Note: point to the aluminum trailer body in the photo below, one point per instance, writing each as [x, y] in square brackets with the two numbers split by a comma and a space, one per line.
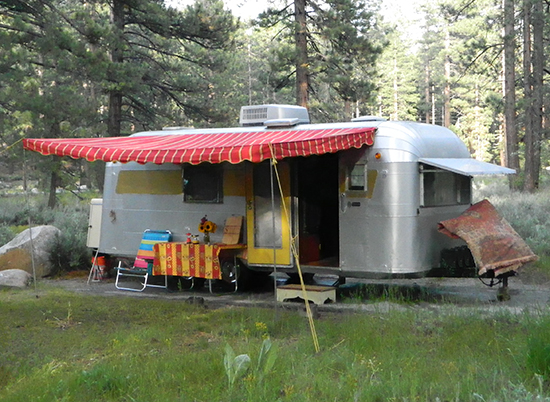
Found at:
[367, 212]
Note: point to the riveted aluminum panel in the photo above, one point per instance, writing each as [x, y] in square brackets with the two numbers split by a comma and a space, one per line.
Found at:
[390, 234]
[383, 230]
[125, 216]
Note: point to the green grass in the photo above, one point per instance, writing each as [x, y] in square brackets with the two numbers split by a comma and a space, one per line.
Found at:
[62, 346]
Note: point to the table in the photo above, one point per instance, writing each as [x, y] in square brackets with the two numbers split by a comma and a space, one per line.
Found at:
[196, 260]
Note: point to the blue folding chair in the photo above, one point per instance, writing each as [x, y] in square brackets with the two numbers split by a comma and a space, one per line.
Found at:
[143, 265]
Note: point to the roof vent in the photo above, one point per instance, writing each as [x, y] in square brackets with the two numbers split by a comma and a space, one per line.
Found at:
[259, 115]
[275, 123]
[177, 128]
[368, 118]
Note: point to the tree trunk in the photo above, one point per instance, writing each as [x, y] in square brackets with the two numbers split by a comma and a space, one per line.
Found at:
[511, 154]
[86, 174]
[395, 114]
[433, 104]
[348, 114]
[302, 65]
[529, 135]
[117, 57]
[447, 91]
[538, 89]
[98, 169]
[427, 98]
[115, 114]
[54, 180]
[55, 131]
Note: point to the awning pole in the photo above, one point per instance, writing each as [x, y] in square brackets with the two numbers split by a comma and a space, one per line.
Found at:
[297, 260]
[29, 216]
[272, 182]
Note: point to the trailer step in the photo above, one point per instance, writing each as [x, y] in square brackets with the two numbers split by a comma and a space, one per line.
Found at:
[314, 293]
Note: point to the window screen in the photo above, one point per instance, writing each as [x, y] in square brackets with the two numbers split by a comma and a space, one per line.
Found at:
[203, 183]
[357, 178]
[440, 187]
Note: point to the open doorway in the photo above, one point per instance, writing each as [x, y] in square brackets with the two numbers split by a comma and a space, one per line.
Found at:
[317, 185]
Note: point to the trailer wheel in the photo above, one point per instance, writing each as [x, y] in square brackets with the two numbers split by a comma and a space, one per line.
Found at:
[198, 283]
[178, 283]
[236, 272]
[230, 272]
[185, 283]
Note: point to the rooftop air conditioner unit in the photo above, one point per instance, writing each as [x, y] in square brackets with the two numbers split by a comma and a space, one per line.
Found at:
[262, 114]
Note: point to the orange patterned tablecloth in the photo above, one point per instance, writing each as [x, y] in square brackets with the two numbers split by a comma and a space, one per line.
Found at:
[183, 259]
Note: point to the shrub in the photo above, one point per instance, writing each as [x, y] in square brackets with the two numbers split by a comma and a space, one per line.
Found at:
[529, 214]
[6, 234]
[68, 250]
[18, 210]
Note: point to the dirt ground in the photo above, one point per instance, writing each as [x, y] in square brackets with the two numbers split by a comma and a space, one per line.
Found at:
[527, 292]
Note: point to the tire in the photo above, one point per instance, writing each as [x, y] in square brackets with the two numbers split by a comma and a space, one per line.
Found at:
[176, 283]
[230, 272]
[246, 278]
[198, 283]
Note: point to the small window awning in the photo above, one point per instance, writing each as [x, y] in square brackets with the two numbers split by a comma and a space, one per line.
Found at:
[233, 147]
[467, 166]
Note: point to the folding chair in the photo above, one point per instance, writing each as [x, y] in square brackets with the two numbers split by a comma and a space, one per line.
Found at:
[143, 265]
[230, 266]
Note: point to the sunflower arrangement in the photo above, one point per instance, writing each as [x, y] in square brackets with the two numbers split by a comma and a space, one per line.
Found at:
[207, 227]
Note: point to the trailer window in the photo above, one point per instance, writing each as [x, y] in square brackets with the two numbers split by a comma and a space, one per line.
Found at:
[357, 177]
[440, 188]
[203, 184]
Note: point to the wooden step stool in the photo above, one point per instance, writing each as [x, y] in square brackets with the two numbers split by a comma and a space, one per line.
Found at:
[315, 294]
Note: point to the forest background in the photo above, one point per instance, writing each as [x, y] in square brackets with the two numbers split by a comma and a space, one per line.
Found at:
[76, 68]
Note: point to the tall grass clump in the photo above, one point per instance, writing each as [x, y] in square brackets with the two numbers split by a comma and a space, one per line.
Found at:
[528, 213]
[538, 349]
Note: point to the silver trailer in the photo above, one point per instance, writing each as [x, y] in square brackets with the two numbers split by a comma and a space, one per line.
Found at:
[371, 211]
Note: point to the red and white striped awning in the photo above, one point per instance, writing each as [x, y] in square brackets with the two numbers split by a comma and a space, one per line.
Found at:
[233, 147]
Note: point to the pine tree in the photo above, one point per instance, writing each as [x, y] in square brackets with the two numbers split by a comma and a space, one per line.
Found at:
[466, 71]
[334, 52]
[398, 95]
[68, 71]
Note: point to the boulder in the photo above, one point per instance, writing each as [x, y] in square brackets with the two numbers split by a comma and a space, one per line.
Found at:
[15, 278]
[17, 253]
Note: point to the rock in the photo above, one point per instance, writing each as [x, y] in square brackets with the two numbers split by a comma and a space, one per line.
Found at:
[17, 253]
[195, 300]
[15, 278]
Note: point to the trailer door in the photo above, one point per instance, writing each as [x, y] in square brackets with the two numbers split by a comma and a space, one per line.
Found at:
[268, 227]
[356, 189]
